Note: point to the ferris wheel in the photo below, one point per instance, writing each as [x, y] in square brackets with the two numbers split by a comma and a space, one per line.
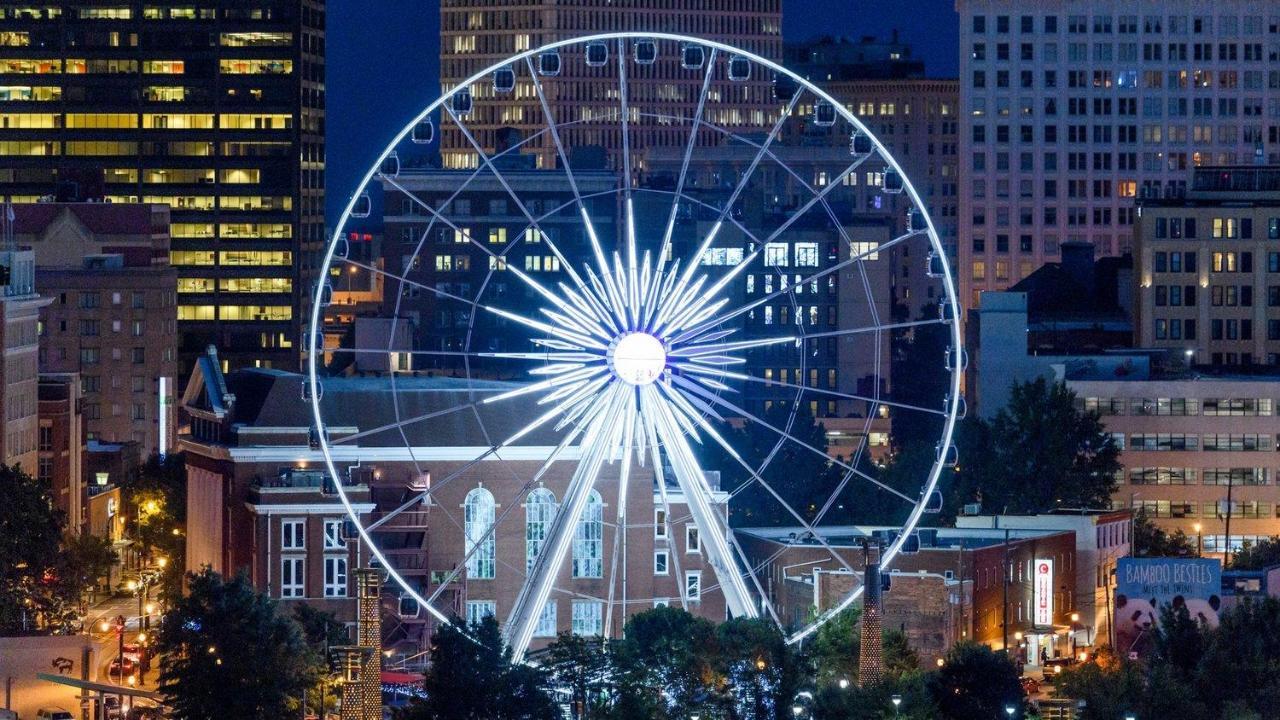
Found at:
[648, 326]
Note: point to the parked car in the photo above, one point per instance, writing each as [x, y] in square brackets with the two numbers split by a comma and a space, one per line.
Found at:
[111, 709]
[133, 651]
[122, 667]
[54, 713]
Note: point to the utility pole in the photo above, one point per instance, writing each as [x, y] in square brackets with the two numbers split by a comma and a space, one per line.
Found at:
[1226, 550]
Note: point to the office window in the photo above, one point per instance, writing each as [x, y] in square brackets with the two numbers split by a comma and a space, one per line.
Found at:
[588, 617]
[692, 541]
[546, 627]
[333, 539]
[292, 577]
[588, 540]
[539, 510]
[292, 534]
[693, 585]
[661, 561]
[478, 610]
[478, 511]
[335, 577]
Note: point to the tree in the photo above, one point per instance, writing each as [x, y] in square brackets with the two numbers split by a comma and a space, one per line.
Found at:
[1256, 556]
[899, 657]
[230, 652]
[158, 493]
[1241, 659]
[1038, 454]
[1149, 540]
[581, 665]
[1179, 642]
[43, 573]
[975, 683]
[1108, 685]
[471, 677]
[760, 672]
[321, 631]
[675, 653]
[834, 650]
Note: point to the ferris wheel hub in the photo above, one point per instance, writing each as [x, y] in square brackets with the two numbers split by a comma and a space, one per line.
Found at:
[637, 358]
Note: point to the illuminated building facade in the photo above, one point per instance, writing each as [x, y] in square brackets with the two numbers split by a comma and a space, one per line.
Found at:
[1074, 109]
[216, 111]
[474, 35]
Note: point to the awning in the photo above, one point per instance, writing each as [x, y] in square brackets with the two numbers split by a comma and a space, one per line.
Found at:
[401, 678]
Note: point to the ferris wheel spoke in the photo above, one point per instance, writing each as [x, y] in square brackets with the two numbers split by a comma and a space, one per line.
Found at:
[742, 412]
[412, 283]
[693, 483]
[846, 396]
[669, 306]
[558, 540]
[437, 215]
[817, 198]
[561, 409]
[857, 257]
[695, 124]
[520, 495]
[524, 209]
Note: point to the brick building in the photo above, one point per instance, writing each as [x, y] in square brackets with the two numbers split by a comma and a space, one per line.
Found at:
[112, 314]
[60, 444]
[260, 500]
[955, 589]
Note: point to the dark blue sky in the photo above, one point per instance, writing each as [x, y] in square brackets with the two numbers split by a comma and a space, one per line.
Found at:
[383, 59]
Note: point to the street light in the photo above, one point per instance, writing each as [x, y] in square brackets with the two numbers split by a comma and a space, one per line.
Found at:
[1009, 710]
[1130, 716]
[896, 700]
[1199, 540]
[844, 683]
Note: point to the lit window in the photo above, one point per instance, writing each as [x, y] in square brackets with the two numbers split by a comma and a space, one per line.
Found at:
[478, 519]
[539, 510]
[588, 540]
[588, 617]
[335, 577]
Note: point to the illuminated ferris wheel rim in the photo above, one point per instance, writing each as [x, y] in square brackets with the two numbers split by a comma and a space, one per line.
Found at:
[643, 364]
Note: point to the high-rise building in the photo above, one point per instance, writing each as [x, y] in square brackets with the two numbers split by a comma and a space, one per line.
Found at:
[1071, 110]
[474, 35]
[105, 269]
[1209, 268]
[216, 111]
[20, 306]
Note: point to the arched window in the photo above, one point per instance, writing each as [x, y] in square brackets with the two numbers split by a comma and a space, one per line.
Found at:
[478, 517]
[539, 509]
[588, 540]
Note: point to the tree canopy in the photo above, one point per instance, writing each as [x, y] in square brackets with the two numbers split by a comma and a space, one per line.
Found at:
[471, 677]
[230, 652]
[1257, 556]
[1039, 453]
[975, 683]
[1150, 540]
[43, 571]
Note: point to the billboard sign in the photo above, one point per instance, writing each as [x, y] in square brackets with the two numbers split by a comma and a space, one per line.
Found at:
[1043, 598]
[1145, 585]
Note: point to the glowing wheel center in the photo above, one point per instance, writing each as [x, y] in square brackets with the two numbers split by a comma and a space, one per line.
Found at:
[638, 358]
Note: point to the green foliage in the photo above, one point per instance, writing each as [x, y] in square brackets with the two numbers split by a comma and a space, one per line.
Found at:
[975, 683]
[1149, 540]
[834, 650]
[1257, 556]
[158, 492]
[43, 574]
[876, 702]
[759, 673]
[1039, 453]
[230, 652]
[472, 678]
[677, 652]
[1108, 686]
[582, 666]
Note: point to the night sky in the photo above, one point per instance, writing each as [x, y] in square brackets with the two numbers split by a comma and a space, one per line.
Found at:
[383, 59]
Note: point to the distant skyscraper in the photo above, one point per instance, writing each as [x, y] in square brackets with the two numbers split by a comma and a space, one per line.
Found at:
[20, 306]
[1073, 109]
[476, 34]
[217, 111]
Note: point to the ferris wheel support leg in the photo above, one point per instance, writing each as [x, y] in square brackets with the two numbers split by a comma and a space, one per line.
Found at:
[542, 577]
[711, 529]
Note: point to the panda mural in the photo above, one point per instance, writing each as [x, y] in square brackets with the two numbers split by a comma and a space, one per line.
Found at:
[1145, 586]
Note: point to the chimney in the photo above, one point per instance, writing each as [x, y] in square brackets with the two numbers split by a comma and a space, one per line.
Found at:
[1077, 264]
